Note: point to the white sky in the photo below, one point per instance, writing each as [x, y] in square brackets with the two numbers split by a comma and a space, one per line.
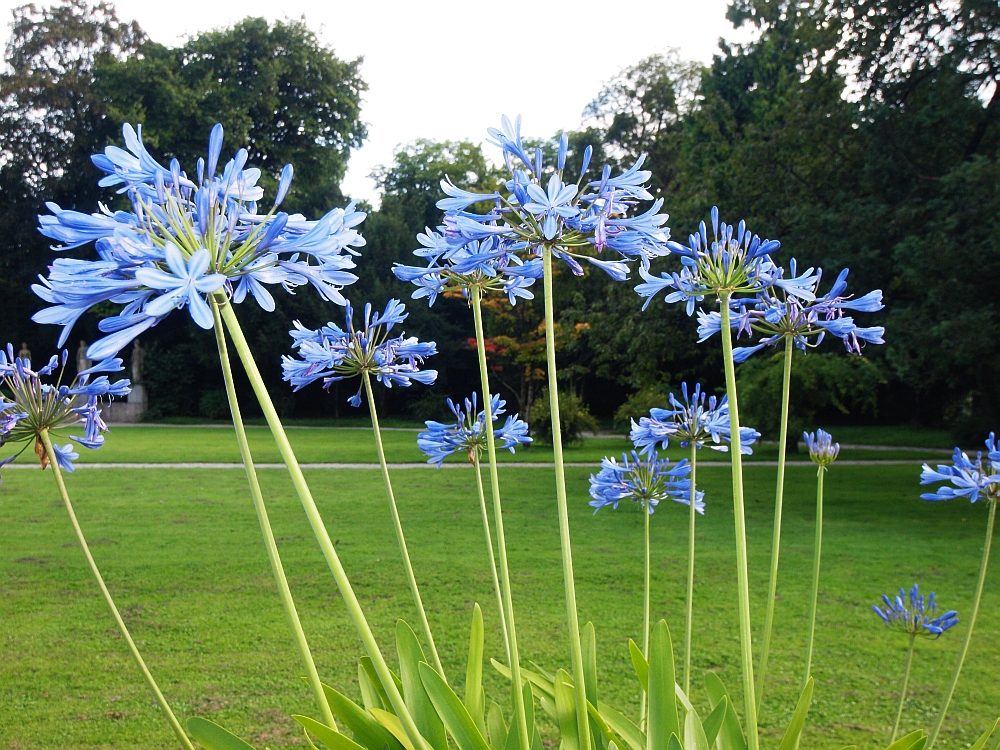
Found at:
[446, 69]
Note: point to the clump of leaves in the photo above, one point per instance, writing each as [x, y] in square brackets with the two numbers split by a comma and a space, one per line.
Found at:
[574, 418]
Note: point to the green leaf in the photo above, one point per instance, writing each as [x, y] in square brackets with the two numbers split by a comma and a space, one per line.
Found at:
[366, 730]
[981, 742]
[450, 708]
[588, 641]
[475, 698]
[694, 733]
[640, 665]
[674, 743]
[544, 673]
[549, 707]
[498, 727]
[623, 727]
[428, 722]
[603, 727]
[328, 736]
[372, 679]
[213, 737]
[566, 711]
[910, 740]
[730, 737]
[794, 731]
[539, 681]
[713, 724]
[392, 723]
[662, 717]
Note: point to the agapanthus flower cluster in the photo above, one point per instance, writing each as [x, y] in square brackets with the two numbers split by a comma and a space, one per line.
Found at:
[700, 420]
[736, 261]
[644, 479]
[332, 354]
[538, 208]
[971, 479]
[822, 449]
[468, 431]
[917, 619]
[28, 406]
[186, 238]
[791, 308]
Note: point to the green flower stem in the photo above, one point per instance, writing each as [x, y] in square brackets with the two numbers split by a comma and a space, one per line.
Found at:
[576, 650]
[906, 682]
[689, 619]
[772, 587]
[645, 611]
[171, 719]
[493, 559]
[817, 553]
[743, 583]
[517, 693]
[319, 529]
[398, 526]
[265, 526]
[972, 621]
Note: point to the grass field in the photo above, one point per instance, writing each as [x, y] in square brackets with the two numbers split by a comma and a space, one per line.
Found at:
[181, 552]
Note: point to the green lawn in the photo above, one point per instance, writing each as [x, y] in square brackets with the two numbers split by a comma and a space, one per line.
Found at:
[145, 444]
[181, 551]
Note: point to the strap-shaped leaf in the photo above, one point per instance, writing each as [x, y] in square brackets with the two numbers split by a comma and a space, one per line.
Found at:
[366, 730]
[713, 724]
[566, 711]
[333, 739]
[497, 726]
[623, 727]
[794, 731]
[544, 673]
[606, 731]
[475, 698]
[640, 665]
[694, 733]
[372, 679]
[662, 718]
[549, 707]
[513, 736]
[537, 680]
[213, 737]
[450, 708]
[908, 741]
[392, 723]
[730, 737]
[674, 743]
[981, 742]
[428, 722]
[588, 642]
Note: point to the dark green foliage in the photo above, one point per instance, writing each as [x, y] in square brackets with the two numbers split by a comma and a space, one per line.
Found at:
[575, 418]
[638, 405]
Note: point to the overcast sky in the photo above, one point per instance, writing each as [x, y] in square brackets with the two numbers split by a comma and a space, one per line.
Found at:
[446, 69]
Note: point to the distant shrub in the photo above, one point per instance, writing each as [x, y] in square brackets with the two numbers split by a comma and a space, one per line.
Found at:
[575, 418]
[214, 404]
[638, 405]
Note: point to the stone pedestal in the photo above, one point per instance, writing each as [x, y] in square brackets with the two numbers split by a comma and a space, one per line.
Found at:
[128, 411]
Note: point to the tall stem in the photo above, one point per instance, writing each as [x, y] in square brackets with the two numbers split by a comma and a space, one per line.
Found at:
[743, 583]
[493, 559]
[398, 526]
[576, 650]
[689, 619]
[273, 557]
[772, 587]
[906, 682]
[972, 621]
[164, 706]
[817, 553]
[319, 529]
[645, 609]
[517, 693]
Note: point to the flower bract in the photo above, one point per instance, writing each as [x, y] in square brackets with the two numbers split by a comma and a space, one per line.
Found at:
[822, 449]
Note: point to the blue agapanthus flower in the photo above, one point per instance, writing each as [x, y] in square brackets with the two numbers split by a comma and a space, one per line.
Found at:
[184, 239]
[736, 261]
[971, 479]
[28, 406]
[644, 479]
[917, 619]
[539, 207]
[790, 308]
[468, 431]
[822, 449]
[332, 354]
[699, 419]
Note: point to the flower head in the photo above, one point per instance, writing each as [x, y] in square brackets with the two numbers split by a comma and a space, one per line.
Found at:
[822, 449]
[970, 479]
[643, 479]
[917, 619]
[29, 406]
[468, 432]
[736, 261]
[186, 238]
[696, 420]
[332, 354]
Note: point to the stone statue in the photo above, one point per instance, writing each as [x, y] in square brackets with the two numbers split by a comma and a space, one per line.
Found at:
[25, 352]
[82, 362]
[138, 354]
